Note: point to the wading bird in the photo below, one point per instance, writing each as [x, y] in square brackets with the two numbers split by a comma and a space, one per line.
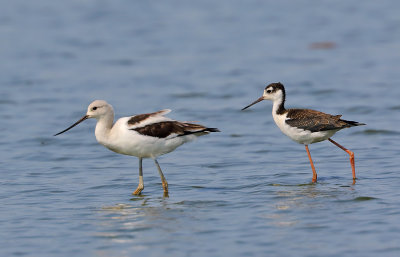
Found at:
[144, 136]
[305, 126]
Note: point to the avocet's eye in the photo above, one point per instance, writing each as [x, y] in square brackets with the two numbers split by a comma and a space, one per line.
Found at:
[94, 108]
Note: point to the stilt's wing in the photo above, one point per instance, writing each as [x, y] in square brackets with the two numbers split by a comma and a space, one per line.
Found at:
[314, 121]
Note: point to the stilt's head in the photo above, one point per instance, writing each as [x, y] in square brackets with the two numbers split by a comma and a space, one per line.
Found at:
[273, 92]
[97, 109]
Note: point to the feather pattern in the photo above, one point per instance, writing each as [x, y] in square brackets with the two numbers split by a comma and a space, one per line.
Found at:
[147, 118]
[315, 121]
[171, 128]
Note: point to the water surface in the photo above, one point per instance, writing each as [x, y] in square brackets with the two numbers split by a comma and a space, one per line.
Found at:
[243, 192]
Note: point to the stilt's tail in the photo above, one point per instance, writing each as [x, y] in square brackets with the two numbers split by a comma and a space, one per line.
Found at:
[353, 123]
[211, 130]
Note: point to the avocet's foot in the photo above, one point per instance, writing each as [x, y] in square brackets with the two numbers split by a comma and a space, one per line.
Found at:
[138, 190]
[165, 186]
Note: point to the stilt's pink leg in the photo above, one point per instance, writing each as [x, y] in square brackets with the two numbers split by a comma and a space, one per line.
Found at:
[314, 178]
[353, 168]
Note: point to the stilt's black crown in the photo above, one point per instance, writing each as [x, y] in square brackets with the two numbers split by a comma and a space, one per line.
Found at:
[276, 86]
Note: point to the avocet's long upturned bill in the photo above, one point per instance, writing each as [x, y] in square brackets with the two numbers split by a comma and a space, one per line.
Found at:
[303, 125]
[144, 136]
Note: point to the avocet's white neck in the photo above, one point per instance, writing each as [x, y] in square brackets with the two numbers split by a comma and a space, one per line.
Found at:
[103, 128]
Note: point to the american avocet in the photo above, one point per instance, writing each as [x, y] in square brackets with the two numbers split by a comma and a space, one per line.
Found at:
[144, 136]
[303, 125]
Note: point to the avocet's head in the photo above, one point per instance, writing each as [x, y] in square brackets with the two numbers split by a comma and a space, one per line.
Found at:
[273, 92]
[96, 109]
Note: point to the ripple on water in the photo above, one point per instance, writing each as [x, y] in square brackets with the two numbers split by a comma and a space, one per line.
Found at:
[364, 198]
[203, 203]
[324, 92]
[7, 102]
[123, 62]
[360, 109]
[190, 95]
[372, 132]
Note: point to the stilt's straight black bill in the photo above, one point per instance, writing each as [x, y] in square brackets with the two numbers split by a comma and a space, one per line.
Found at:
[76, 123]
[253, 103]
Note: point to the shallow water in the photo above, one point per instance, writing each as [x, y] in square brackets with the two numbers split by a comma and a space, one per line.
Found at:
[243, 192]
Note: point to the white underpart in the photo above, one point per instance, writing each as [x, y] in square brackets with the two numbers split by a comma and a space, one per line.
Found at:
[301, 136]
[121, 137]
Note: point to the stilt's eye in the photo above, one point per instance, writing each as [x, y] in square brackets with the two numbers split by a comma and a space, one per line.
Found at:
[94, 108]
[269, 91]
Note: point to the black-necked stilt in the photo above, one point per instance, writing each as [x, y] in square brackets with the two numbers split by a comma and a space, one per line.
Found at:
[303, 125]
[144, 136]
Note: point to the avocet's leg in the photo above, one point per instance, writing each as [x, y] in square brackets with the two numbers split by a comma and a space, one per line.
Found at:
[140, 187]
[163, 180]
[314, 177]
[353, 168]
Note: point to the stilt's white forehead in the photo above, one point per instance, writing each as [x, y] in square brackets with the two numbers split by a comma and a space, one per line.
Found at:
[273, 88]
[269, 87]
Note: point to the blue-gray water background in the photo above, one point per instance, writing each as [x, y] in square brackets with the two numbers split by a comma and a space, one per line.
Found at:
[242, 192]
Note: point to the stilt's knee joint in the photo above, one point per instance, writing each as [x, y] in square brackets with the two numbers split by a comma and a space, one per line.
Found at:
[350, 153]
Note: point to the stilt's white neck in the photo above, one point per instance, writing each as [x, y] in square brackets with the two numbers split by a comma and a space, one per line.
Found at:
[278, 107]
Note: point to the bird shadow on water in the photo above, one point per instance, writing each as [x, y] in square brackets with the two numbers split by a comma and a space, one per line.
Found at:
[329, 189]
[125, 222]
[296, 205]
